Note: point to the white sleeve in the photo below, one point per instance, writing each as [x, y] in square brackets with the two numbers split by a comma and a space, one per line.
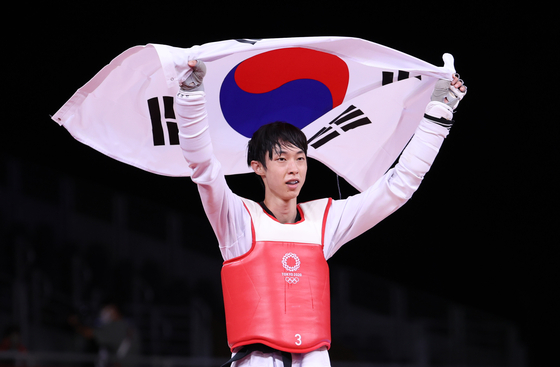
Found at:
[225, 210]
[353, 216]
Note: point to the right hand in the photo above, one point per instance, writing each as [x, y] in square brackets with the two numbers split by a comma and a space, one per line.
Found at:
[193, 82]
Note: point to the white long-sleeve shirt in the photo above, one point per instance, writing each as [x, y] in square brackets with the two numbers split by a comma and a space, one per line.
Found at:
[346, 218]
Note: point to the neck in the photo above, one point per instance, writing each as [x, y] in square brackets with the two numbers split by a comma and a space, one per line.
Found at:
[284, 211]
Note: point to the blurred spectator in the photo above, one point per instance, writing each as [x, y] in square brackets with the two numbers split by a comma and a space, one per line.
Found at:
[11, 340]
[116, 337]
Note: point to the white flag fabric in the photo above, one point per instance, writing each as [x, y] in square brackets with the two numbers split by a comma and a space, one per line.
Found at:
[358, 102]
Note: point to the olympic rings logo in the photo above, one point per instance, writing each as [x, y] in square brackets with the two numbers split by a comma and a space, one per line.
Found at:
[291, 280]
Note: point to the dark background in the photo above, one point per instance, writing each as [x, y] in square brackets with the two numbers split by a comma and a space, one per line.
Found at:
[479, 231]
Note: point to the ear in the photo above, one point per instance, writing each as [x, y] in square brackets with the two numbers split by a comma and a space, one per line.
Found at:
[258, 168]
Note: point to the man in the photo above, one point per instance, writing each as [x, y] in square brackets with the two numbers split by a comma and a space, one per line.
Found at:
[275, 275]
[115, 336]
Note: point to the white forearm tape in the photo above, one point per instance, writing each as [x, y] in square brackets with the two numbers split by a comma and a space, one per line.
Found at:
[194, 136]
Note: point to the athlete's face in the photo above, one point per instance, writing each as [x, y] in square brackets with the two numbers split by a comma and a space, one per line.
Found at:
[284, 174]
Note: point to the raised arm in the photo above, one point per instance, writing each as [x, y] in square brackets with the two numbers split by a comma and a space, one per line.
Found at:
[351, 217]
[225, 211]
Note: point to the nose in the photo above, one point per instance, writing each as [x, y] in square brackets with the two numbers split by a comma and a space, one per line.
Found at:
[293, 167]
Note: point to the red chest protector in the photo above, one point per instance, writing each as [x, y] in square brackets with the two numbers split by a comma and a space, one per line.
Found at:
[278, 293]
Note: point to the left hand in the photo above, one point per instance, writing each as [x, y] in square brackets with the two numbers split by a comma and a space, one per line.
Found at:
[450, 92]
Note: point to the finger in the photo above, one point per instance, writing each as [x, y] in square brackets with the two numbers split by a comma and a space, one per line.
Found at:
[192, 63]
[461, 85]
[457, 83]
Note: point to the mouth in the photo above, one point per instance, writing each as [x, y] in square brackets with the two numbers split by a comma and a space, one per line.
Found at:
[292, 183]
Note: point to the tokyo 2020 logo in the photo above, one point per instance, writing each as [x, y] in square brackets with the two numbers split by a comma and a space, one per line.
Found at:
[291, 263]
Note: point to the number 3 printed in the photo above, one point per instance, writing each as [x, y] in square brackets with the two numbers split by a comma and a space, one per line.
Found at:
[298, 341]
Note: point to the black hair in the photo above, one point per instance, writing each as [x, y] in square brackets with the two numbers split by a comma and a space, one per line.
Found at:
[270, 138]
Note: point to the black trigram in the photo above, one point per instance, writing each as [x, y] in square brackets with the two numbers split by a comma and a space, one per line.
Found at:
[157, 125]
[388, 76]
[350, 119]
[250, 41]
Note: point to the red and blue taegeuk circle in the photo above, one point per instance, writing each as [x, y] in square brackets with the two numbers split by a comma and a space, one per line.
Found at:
[296, 85]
